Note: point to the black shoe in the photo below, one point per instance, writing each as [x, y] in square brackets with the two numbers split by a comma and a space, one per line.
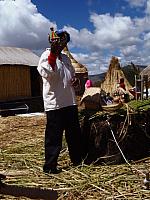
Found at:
[52, 171]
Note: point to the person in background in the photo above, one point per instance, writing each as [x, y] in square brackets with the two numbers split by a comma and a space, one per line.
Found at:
[60, 105]
[120, 94]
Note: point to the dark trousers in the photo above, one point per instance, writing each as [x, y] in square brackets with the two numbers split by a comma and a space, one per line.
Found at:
[58, 121]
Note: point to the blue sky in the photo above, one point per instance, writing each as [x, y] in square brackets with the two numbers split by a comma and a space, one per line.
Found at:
[99, 29]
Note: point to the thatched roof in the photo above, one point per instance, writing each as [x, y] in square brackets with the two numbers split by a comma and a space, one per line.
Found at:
[79, 68]
[146, 71]
[113, 76]
[18, 56]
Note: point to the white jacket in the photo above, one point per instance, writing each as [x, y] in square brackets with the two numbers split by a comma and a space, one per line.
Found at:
[57, 89]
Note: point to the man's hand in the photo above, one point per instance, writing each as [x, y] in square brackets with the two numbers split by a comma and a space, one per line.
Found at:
[57, 46]
[55, 49]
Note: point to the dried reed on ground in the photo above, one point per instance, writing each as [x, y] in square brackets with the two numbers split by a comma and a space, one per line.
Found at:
[22, 157]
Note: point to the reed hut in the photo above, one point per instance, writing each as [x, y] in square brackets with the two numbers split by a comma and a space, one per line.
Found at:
[80, 71]
[18, 74]
[113, 76]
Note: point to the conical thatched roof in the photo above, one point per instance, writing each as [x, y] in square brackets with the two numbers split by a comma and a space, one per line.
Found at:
[113, 76]
[79, 68]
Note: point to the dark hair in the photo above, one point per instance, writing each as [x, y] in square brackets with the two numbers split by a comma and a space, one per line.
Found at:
[63, 34]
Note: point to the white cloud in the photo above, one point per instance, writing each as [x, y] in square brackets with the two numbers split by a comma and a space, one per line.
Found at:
[136, 3]
[110, 31]
[21, 25]
[148, 7]
[129, 50]
[120, 36]
[147, 42]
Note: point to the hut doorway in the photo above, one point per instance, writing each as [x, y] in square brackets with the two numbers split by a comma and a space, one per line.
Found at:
[35, 82]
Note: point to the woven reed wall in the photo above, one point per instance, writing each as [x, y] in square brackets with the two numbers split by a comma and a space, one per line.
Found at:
[14, 82]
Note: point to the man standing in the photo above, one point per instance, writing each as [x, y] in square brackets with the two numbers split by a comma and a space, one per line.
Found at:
[58, 77]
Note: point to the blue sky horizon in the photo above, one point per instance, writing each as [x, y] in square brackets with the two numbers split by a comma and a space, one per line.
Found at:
[99, 29]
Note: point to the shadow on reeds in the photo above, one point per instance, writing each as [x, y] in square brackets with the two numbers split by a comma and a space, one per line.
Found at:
[32, 193]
